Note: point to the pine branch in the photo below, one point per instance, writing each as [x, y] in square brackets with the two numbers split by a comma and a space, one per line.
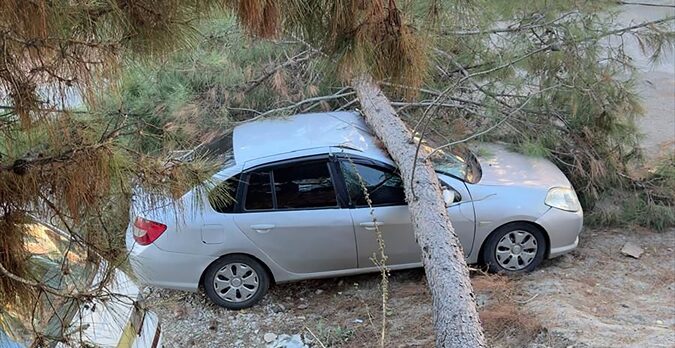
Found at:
[510, 29]
[631, 28]
[298, 58]
[644, 4]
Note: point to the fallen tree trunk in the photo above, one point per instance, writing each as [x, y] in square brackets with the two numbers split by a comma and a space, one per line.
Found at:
[456, 321]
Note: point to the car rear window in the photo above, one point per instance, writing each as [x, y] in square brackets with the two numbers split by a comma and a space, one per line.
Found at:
[223, 197]
[259, 191]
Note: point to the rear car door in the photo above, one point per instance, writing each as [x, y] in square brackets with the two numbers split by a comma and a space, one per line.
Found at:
[292, 213]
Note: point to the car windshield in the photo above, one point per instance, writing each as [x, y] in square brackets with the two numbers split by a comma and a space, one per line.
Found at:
[59, 262]
[458, 161]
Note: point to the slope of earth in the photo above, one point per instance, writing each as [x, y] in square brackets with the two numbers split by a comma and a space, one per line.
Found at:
[594, 297]
[655, 81]
[601, 298]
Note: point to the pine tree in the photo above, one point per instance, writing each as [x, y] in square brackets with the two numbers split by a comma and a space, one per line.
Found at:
[62, 160]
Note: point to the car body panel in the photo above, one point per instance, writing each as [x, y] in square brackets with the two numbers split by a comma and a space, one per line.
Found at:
[325, 237]
[104, 321]
[490, 203]
[462, 214]
[395, 230]
[154, 266]
[513, 188]
[563, 228]
[343, 129]
[502, 167]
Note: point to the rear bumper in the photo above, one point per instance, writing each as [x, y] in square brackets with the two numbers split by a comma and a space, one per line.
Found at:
[563, 229]
[156, 267]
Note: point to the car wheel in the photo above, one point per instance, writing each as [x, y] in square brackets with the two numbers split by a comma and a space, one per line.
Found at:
[514, 248]
[236, 281]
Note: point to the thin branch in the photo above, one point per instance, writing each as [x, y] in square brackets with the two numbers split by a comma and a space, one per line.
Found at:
[298, 58]
[37, 285]
[510, 29]
[504, 119]
[632, 27]
[339, 94]
[644, 4]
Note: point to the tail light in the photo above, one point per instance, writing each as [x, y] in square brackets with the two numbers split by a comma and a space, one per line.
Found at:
[147, 231]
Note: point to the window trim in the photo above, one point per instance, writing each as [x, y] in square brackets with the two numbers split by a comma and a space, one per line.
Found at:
[327, 160]
[367, 162]
[242, 205]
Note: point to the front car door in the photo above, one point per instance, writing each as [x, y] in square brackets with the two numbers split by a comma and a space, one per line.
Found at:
[391, 214]
[292, 213]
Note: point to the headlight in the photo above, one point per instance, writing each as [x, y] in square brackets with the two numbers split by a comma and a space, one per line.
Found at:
[563, 198]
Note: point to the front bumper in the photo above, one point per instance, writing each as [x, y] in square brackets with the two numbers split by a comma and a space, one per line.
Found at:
[563, 229]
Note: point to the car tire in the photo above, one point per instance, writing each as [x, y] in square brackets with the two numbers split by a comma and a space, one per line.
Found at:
[236, 281]
[514, 248]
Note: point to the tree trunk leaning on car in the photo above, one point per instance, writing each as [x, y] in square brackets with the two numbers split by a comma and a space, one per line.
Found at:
[369, 39]
[456, 321]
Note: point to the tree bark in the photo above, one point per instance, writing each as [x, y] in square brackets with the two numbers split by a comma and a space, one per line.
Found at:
[456, 321]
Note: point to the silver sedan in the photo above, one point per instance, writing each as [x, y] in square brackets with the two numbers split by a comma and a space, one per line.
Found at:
[299, 211]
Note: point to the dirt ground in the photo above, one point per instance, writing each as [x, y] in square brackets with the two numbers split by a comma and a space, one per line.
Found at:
[593, 297]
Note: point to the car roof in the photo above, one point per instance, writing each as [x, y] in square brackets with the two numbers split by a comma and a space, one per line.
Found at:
[301, 132]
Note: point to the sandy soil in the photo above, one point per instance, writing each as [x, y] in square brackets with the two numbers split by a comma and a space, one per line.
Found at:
[594, 297]
[598, 297]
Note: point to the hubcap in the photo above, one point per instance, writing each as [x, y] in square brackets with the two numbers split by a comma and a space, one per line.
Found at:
[236, 282]
[516, 250]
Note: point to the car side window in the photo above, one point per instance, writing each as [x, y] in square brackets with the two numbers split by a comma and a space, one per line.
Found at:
[384, 186]
[223, 197]
[304, 185]
[259, 191]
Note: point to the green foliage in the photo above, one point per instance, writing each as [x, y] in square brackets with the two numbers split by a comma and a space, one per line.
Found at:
[564, 96]
[194, 94]
[625, 209]
[67, 163]
[555, 78]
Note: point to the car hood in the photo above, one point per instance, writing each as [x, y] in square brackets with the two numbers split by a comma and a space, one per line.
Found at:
[506, 168]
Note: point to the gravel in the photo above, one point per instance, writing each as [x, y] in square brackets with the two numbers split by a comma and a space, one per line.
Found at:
[594, 297]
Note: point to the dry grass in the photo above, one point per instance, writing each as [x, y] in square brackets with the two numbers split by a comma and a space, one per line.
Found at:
[503, 318]
[409, 319]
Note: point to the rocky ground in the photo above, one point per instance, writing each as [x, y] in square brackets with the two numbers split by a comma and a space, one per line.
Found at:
[594, 297]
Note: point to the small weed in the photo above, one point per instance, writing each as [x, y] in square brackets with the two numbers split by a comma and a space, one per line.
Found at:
[332, 336]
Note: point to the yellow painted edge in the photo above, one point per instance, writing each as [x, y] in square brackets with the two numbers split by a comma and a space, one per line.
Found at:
[128, 336]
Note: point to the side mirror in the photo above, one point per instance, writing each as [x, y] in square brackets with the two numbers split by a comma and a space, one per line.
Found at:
[450, 196]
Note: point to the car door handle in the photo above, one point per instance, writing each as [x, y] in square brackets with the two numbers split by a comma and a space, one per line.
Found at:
[371, 225]
[262, 228]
